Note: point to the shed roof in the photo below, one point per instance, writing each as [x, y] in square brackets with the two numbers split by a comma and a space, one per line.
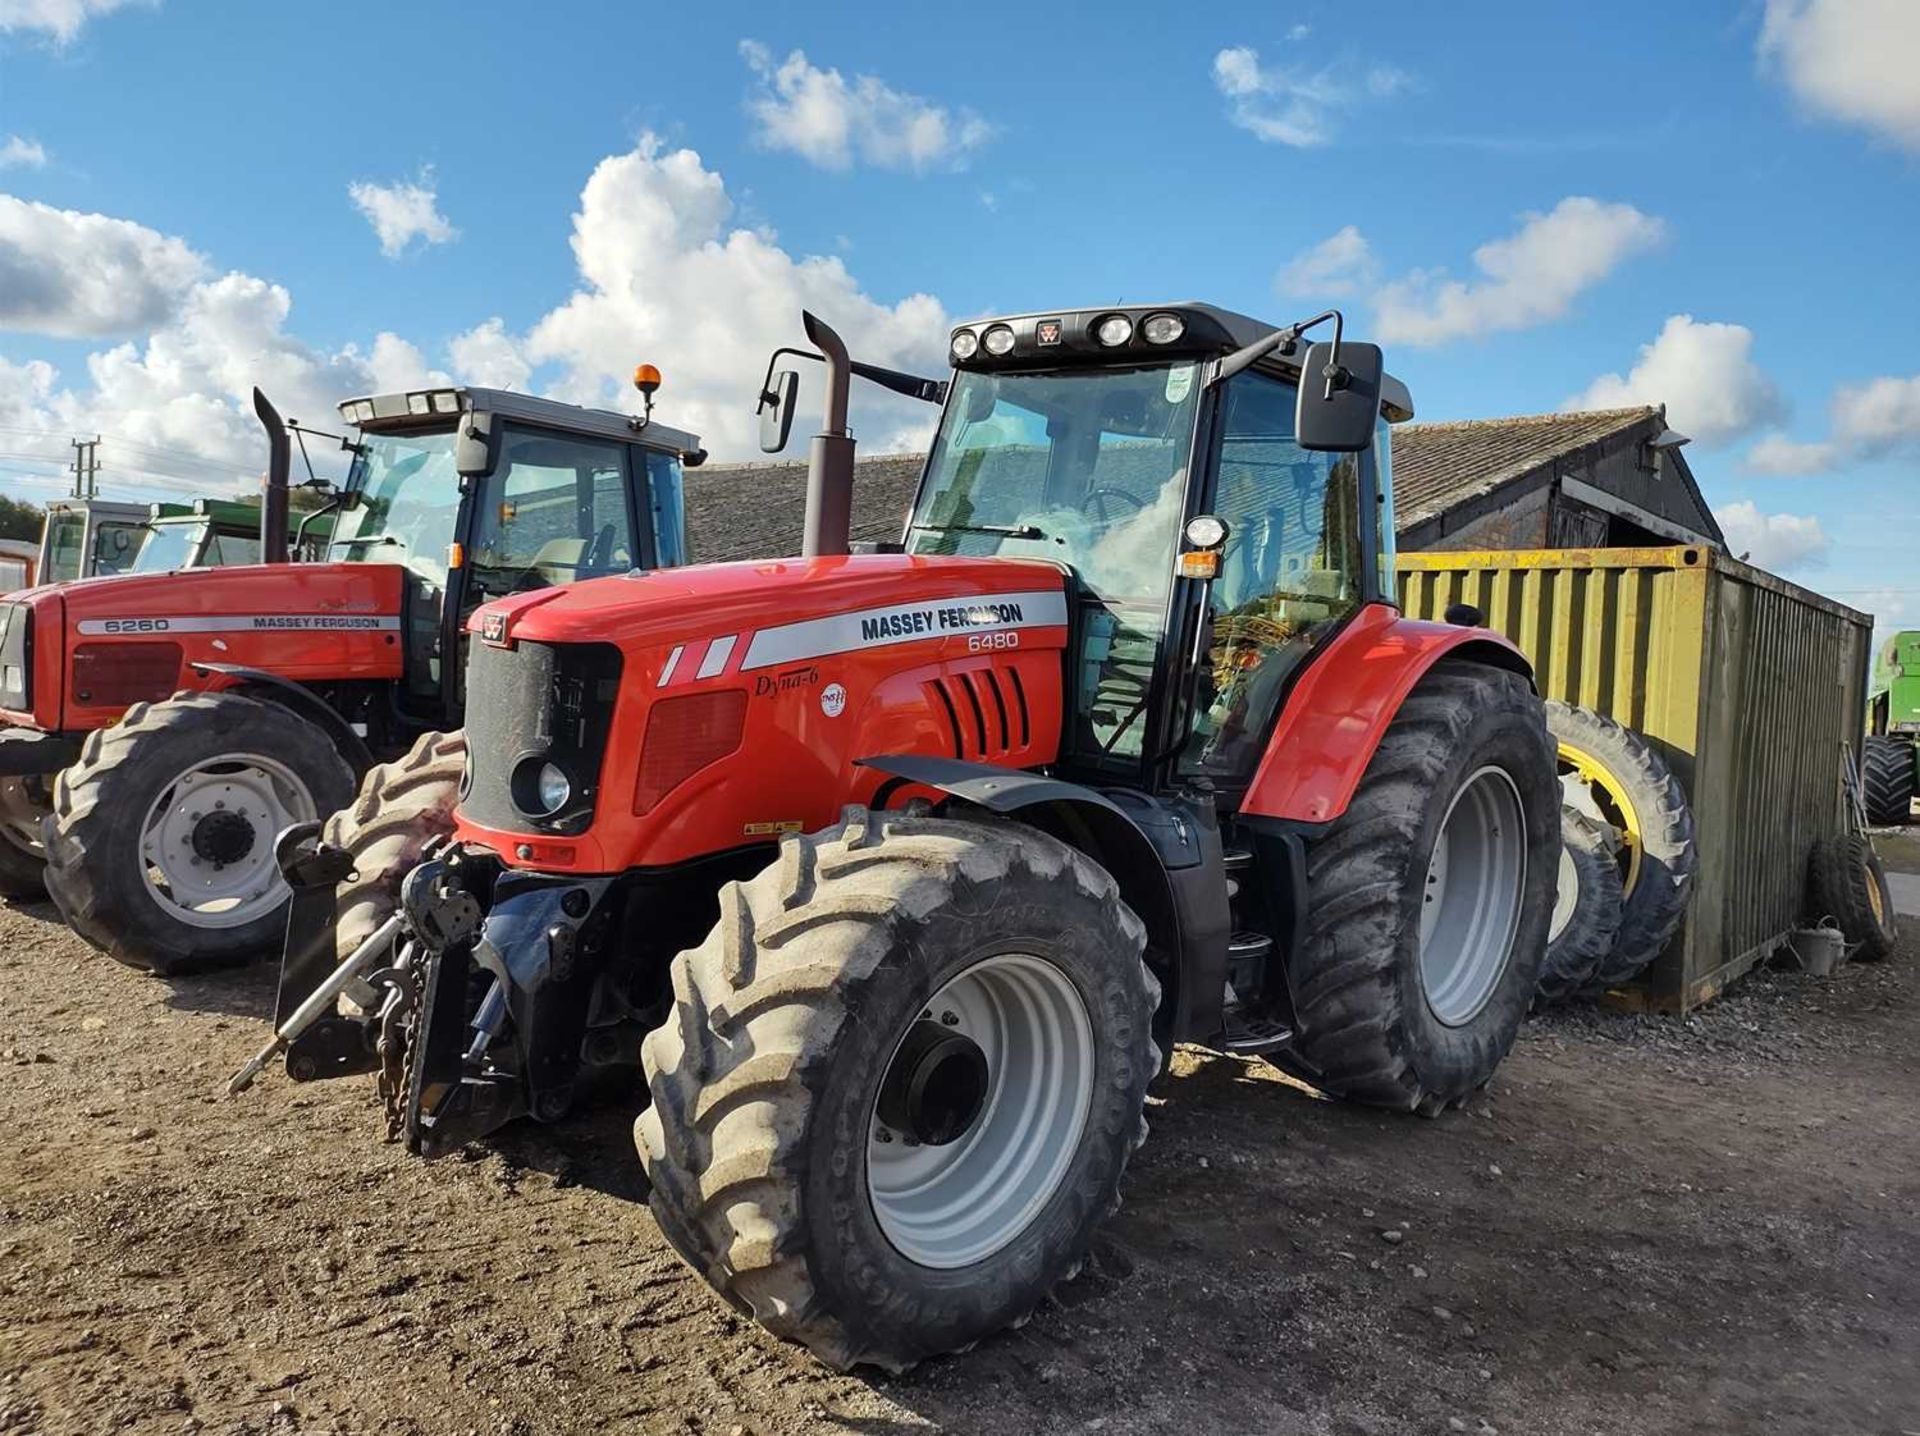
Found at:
[755, 510]
[1435, 466]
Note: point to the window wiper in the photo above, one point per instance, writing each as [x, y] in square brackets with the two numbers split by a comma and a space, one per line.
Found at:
[1022, 531]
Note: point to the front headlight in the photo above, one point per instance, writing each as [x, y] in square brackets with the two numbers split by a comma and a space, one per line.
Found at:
[998, 341]
[1114, 330]
[553, 788]
[1163, 328]
[966, 344]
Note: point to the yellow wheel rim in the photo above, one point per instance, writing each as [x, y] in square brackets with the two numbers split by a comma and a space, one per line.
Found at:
[1874, 899]
[1614, 807]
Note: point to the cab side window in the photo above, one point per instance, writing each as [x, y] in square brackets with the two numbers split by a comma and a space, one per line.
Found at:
[1289, 574]
[555, 511]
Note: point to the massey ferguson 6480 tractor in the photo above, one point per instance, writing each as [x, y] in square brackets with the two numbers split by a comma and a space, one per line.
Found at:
[899, 872]
[164, 727]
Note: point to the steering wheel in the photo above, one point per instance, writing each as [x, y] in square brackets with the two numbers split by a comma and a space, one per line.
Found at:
[1102, 497]
[599, 554]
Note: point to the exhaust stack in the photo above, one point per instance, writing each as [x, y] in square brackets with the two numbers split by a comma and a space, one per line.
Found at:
[830, 457]
[273, 487]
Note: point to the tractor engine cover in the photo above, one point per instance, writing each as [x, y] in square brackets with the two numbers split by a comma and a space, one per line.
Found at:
[652, 718]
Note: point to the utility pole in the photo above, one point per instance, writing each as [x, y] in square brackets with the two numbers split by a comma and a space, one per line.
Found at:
[86, 467]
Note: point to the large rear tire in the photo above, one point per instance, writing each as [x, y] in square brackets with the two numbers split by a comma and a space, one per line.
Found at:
[1430, 898]
[1886, 780]
[1846, 883]
[401, 807]
[1612, 775]
[160, 843]
[1586, 910]
[821, 1056]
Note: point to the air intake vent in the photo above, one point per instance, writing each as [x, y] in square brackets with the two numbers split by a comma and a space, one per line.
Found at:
[984, 711]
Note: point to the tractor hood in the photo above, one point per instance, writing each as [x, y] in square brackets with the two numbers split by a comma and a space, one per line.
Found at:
[770, 612]
[252, 597]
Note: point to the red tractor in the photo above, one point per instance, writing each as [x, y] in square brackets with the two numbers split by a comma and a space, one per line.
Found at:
[901, 871]
[162, 728]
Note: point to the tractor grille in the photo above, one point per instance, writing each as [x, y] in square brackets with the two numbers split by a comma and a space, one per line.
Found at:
[529, 705]
[16, 657]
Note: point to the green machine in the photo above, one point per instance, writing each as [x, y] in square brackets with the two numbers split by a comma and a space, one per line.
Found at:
[1887, 774]
[218, 533]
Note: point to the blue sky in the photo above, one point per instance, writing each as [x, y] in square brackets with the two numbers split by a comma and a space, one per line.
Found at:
[1713, 204]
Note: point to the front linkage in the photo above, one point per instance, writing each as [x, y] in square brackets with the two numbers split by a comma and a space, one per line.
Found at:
[473, 1000]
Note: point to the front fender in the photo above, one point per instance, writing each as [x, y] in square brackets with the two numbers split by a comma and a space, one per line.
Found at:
[1341, 705]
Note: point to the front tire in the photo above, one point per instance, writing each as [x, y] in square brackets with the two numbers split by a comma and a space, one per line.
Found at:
[23, 854]
[1886, 780]
[160, 843]
[402, 806]
[1430, 898]
[805, 1052]
[1847, 883]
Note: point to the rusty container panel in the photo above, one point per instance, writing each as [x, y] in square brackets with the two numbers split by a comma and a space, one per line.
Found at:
[1749, 686]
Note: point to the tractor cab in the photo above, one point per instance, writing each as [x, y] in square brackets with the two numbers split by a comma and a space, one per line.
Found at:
[481, 493]
[89, 538]
[1210, 550]
[217, 533]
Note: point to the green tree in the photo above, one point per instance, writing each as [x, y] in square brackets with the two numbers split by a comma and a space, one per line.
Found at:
[20, 519]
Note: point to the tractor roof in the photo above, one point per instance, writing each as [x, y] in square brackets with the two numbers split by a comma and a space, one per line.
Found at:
[1208, 331]
[417, 408]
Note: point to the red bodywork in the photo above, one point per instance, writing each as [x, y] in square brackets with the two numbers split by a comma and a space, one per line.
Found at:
[100, 644]
[1342, 704]
[834, 659]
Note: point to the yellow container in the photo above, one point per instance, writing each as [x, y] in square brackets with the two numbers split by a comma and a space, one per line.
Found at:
[1750, 687]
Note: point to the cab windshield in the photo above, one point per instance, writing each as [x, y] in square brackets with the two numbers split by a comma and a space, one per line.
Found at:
[66, 532]
[169, 546]
[1086, 468]
[410, 503]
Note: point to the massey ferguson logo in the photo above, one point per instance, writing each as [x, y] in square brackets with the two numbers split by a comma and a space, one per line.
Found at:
[493, 628]
[909, 622]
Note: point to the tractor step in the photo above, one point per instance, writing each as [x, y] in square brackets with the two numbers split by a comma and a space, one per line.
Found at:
[1253, 1036]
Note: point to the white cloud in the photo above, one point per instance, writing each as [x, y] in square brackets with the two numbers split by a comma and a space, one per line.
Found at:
[832, 122]
[1880, 416]
[1780, 542]
[664, 275]
[1527, 278]
[60, 19]
[20, 153]
[1781, 457]
[402, 212]
[1295, 105]
[489, 356]
[1703, 373]
[1337, 266]
[1854, 60]
[77, 275]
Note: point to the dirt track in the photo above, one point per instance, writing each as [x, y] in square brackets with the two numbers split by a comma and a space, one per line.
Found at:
[1646, 1226]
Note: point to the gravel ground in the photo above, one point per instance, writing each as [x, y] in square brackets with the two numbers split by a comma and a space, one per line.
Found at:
[1645, 1226]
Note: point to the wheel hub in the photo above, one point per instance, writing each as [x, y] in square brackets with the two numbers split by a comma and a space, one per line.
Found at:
[936, 1088]
[222, 837]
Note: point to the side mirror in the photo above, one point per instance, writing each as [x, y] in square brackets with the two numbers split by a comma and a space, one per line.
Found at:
[980, 403]
[476, 446]
[776, 411]
[1338, 403]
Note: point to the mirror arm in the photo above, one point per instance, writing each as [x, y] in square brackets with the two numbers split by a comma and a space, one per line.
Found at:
[931, 391]
[1281, 341]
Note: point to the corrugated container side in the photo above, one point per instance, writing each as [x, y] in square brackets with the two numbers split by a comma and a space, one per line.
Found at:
[1748, 685]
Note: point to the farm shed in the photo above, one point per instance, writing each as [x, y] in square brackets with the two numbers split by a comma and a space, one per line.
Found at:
[1608, 479]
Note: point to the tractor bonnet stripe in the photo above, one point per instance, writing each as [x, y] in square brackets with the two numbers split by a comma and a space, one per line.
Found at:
[673, 662]
[717, 654]
[905, 623]
[243, 623]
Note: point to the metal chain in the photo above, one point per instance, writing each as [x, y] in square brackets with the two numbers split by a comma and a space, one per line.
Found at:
[396, 1039]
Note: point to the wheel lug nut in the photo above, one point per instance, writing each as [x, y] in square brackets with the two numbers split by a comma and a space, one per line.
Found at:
[950, 1019]
[883, 1135]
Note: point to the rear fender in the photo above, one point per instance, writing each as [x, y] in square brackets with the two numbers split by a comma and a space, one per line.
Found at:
[1341, 705]
[272, 688]
[1161, 856]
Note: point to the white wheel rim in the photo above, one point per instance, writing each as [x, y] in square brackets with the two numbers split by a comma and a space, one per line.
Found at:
[1566, 897]
[949, 1206]
[206, 846]
[19, 820]
[1470, 905]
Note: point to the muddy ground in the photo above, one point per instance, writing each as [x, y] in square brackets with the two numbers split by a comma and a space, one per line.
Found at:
[1645, 1226]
